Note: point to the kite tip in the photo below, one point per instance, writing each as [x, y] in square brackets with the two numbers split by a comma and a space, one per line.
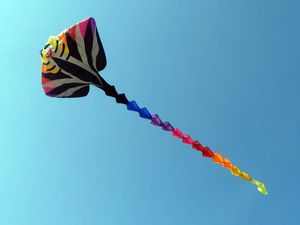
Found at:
[260, 187]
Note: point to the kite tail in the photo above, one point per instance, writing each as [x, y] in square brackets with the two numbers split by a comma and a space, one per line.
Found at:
[206, 151]
[111, 91]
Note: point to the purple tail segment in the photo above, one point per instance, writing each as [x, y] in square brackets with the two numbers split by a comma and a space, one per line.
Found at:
[156, 121]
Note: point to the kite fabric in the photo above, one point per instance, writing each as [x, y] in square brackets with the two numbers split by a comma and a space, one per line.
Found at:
[70, 64]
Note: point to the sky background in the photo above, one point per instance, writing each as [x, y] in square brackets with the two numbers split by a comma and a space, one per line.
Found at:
[225, 72]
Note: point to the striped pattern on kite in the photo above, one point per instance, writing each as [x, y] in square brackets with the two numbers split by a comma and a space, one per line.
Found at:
[71, 61]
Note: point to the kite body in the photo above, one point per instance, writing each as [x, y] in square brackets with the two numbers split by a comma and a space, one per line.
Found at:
[71, 61]
[70, 64]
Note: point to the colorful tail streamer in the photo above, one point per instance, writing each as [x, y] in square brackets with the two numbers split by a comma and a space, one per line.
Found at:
[186, 139]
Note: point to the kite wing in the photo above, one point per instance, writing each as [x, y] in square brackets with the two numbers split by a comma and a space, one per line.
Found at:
[71, 61]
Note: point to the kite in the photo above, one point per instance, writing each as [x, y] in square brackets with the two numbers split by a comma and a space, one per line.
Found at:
[70, 64]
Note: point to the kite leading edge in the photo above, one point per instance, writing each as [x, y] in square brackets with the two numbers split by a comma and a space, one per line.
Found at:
[70, 64]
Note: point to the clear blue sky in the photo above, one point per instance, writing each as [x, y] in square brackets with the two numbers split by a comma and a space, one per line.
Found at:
[225, 72]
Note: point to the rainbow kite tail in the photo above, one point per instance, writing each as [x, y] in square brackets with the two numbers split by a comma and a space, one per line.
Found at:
[186, 139]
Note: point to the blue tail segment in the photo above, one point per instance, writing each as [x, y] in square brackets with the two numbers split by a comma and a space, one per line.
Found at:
[133, 106]
[144, 113]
